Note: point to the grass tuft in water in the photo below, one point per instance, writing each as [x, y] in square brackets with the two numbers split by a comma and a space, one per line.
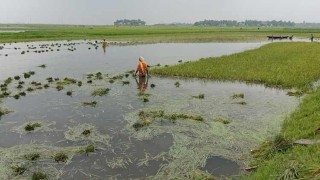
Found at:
[200, 96]
[8, 81]
[59, 87]
[222, 120]
[296, 93]
[32, 156]
[4, 111]
[89, 148]
[125, 82]
[16, 96]
[79, 83]
[236, 96]
[16, 78]
[241, 103]
[18, 169]
[39, 176]
[86, 132]
[69, 93]
[31, 126]
[177, 84]
[49, 79]
[60, 157]
[92, 103]
[19, 86]
[100, 92]
[42, 66]
[152, 85]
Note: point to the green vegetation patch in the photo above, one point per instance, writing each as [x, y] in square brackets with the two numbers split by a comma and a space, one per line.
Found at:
[4, 111]
[66, 81]
[147, 117]
[32, 156]
[32, 126]
[286, 65]
[86, 132]
[100, 92]
[91, 103]
[236, 96]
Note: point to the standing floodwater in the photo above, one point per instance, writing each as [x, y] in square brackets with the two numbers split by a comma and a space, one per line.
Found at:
[109, 128]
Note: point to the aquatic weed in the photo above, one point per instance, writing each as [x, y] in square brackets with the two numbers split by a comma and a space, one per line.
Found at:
[200, 96]
[16, 77]
[32, 156]
[222, 120]
[18, 169]
[86, 132]
[100, 92]
[92, 103]
[235, 96]
[39, 176]
[60, 157]
[32, 126]
[177, 84]
[125, 82]
[89, 148]
[42, 66]
[69, 93]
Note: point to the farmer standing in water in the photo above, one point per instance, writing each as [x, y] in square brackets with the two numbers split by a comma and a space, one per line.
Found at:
[142, 68]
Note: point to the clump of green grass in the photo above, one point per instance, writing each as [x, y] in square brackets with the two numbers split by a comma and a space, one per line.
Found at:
[100, 92]
[4, 111]
[16, 77]
[152, 85]
[22, 94]
[177, 84]
[31, 126]
[241, 103]
[19, 86]
[18, 169]
[222, 120]
[42, 66]
[46, 86]
[69, 93]
[125, 82]
[89, 148]
[49, 79]
[79, 83]
[8, 80]
[60, 157]
[89, 82]
[147, 117]
[59, 87]
[267, 65]
[111, 81]
[296, 93]
[39, 176]
[16, 96]
[32, 156]
[86, 132]
[200, 96]
[67, 81]
[30, 89]
[92, 103]
[236, 96]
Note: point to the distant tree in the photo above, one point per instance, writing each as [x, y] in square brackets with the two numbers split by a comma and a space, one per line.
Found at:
[128, 22]
[252, 23]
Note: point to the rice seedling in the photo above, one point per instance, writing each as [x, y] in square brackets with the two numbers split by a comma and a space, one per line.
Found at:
[60, 157]
[49, 79]
[86, 132]
[22, 94]
[200, 96]
[32, 156]
[89, 82]
[222, 120]
[39, 176]
[46, 86]
[59, 87]
[4, 111]
[31, 126]
[92, 103]
[16, 77]
[42, 66]
[79, 83]
[26, 75]
[100, 92]
[89, 148]
[125, 82]
[177, 84]
[18, 169]
[29, 89]
[69, 93]
[19, 86]
[8, 80]
[16, 96]
[21, 82]
[236, 96]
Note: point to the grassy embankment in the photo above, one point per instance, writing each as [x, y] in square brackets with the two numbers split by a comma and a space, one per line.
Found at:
[285, 65]
[145, 33]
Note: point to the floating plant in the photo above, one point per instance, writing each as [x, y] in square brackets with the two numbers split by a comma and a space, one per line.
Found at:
[60, 157]
[19, 86]
[32, 156]
[17, 96]
[46, 86]
[49, 79]
[92, 103]
[43, 66]
[39, 176]
[235, 96]
[100, 92]
[4, 111]
[30, 89]
[59, 87]
[79, 83]
[31, 126]
[16, 77]
[89, 148]
[22, 94]
[177, 84]
[125, 82]
[152, 85]
[200, 96]
[222, 120]
[69, 93]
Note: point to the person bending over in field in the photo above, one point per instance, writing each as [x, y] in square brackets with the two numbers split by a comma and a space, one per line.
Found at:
[142, 68]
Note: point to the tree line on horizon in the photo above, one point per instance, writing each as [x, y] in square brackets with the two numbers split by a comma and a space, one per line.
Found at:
[228, 23]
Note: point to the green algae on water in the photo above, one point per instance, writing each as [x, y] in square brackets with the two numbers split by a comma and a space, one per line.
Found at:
[100, 92]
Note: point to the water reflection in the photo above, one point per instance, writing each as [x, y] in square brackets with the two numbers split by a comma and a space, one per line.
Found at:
[142, 83]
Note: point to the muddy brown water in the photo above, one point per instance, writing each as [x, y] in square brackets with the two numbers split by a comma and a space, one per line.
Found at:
[164, 149]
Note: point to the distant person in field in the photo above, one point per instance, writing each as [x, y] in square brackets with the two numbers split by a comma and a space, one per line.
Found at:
[142, 68]
[311, 38]
[104, 45]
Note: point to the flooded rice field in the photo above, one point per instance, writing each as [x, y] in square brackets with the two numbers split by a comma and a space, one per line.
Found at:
[74, 110]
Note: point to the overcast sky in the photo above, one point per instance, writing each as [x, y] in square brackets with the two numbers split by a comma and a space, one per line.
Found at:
[155, 11]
